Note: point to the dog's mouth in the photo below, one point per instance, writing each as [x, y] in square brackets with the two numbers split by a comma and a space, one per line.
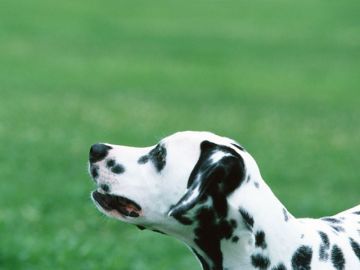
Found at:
[123, 206]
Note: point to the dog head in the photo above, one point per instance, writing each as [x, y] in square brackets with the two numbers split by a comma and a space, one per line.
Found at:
[159, 187]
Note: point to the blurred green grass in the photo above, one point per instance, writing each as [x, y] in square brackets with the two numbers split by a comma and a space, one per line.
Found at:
[280, 77]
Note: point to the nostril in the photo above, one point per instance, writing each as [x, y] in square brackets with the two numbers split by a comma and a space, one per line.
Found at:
[105, 187]
[98, 152]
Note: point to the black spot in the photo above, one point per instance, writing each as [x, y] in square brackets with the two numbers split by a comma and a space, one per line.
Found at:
[260, 261]
[105, 187]
[248, 220]
[248, 179]
[337, 258]
[325, 239]
[256, 184]
[118, 169]
[286, 216]
[158, 157]
[235, 239]
[233, 223]
[331, 220]
[208, 236]
[302, 236]
[280, 266]
[211, 229]
[357, 213]
[143, 159]
[110, 163]
[260, 239]
[238, 146]
[338, 228]
[226, 228]
[94, 171]
[301, 260]
[324, 247]
[356, 247]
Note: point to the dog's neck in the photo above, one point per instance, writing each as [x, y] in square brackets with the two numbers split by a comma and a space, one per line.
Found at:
[273, 232]
[261, 230]
[256, 231]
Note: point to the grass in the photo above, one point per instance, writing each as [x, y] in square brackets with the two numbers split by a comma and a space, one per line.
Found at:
[279, 77]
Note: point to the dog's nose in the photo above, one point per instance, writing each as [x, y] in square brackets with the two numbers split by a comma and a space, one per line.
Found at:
[98, 152]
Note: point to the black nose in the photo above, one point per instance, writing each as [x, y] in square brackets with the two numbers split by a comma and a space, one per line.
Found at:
[98, 152]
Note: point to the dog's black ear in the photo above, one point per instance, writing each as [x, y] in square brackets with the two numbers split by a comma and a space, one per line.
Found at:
[218, 172]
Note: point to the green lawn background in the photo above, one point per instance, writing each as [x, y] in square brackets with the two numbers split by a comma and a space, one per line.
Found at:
[281, 77]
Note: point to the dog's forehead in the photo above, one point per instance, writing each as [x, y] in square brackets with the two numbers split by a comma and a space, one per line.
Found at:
[195, 137]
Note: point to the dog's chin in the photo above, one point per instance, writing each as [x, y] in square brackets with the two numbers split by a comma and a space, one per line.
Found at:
[116, 206]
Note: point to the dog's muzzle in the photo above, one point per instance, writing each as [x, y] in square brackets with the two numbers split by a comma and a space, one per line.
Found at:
[124, 206]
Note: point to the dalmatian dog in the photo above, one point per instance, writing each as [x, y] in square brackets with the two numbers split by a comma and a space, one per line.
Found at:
[207, 191]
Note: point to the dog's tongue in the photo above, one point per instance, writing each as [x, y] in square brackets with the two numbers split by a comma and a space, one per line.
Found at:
[132, 211]
[126, 206]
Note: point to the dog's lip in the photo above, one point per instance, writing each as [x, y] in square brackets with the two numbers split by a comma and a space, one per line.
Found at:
[124, 206]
